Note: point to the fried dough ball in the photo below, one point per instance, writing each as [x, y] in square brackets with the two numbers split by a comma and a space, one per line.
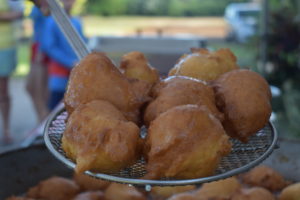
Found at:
[97, 78]
[139, 73]
[54, 188]
[89, 183]
[244, 97]
[222, 189]
[185, 142]
[255, 193]
[143, 89]
[98, 137]
[180, 90]
[165, 192]
[90, 195]
[291, 192]
[266, 177]
[18, 198]
[136, 66]
[117, 191]
[205, 65]
[183, 196]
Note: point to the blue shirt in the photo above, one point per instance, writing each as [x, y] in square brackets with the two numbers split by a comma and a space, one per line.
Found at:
[56, 46]
[57, 83]
[38, 23]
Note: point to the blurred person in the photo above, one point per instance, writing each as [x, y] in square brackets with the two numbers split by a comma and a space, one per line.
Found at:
[42, 5]
[10, 11]
[62, 57]
[38, 76]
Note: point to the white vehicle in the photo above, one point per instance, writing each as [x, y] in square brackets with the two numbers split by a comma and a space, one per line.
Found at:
[243, 20]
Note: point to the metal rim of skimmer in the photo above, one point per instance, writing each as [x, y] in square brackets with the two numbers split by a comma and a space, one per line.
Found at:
[56, 124]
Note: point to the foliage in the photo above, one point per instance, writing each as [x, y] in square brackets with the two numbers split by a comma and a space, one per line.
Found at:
[107, 7]
[159, 7]
[284, 43]
[283, 56]
[79, 7]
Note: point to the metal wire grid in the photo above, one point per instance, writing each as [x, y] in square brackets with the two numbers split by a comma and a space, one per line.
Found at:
[242, 157]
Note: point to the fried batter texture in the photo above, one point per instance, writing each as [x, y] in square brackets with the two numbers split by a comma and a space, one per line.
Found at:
[244, 97]
[136, 66]
[165, 192]
[90, 195]
[125, 192]
[89, 183]
[205, 65]
[98, 137]
[140, 74]
[18, 198]
[97, 78]
[180, 90]
[291, 192]
[222, 189]
[185, 142]
[255, 193]
[183, 196]
[265, 177]
[54, 188]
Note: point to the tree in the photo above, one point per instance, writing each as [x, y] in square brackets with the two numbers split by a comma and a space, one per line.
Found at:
[107, 7]
[159, 7]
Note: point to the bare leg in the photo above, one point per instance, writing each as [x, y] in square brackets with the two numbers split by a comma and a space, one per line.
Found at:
[38, 90]
[5, 108]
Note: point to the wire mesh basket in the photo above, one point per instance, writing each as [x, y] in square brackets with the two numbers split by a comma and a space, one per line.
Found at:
[242, 157]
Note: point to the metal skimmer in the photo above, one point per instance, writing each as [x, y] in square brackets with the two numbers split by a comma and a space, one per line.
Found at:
[65, 25]
[242, 158]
